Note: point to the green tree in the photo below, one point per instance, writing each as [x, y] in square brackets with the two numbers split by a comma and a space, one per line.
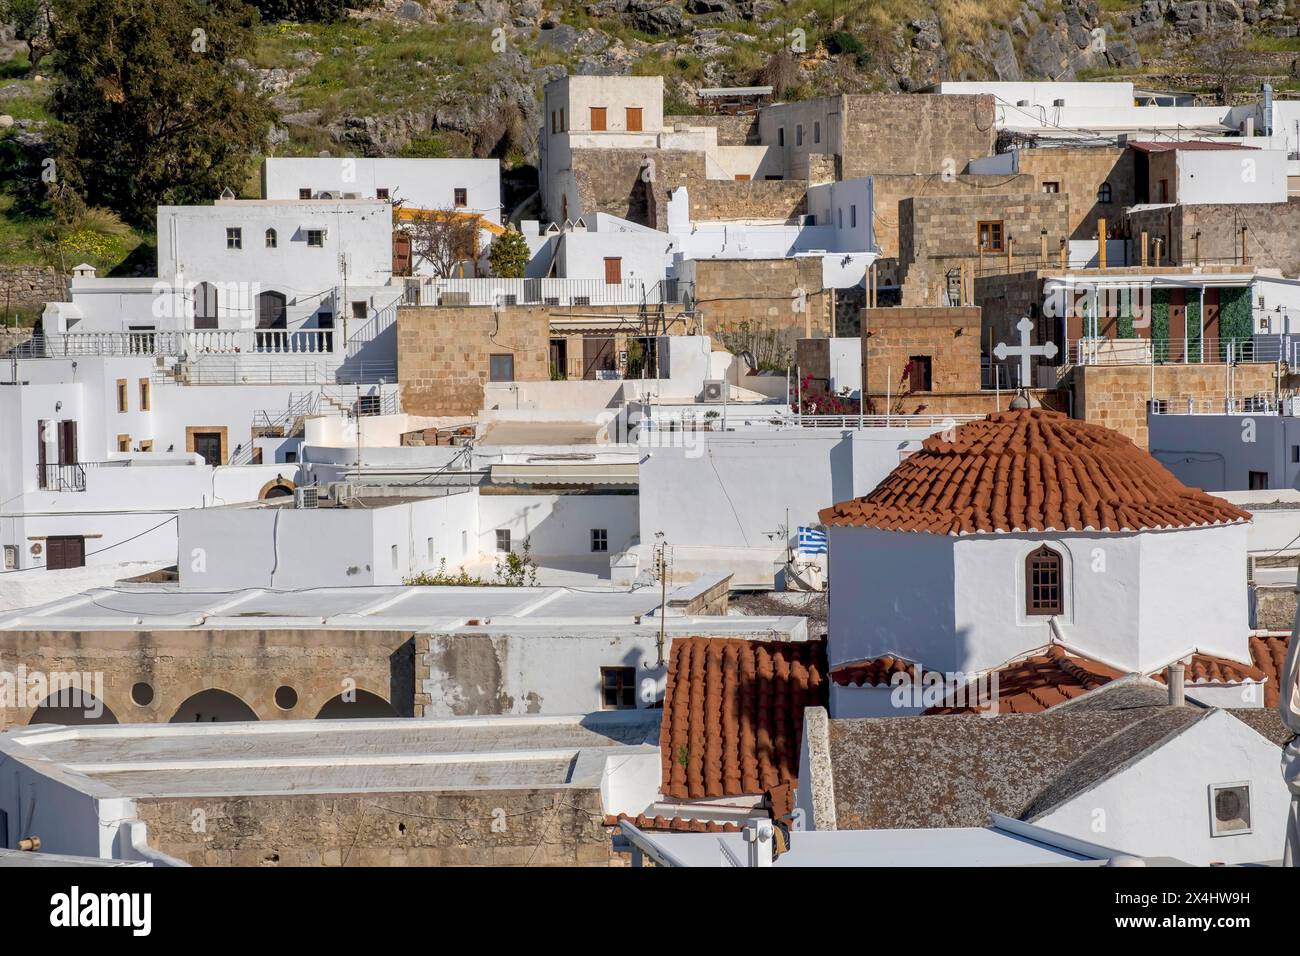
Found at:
[509, 255]
[33, 22]
[154, 109]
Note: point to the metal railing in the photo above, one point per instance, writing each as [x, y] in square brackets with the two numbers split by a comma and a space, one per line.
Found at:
[556, 292]
[61, 477]
[277, 373]
[1208, 351]
[1258, 404]
[712, 421]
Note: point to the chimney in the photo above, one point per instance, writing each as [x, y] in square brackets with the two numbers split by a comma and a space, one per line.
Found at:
[1174, 678]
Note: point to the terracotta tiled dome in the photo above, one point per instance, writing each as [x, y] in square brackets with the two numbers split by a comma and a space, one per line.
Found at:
[1031, 470]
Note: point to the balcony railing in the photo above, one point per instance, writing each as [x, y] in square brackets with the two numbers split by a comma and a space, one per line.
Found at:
[190, 342]
[61, 477]
[555, 292]
[1207, 351]
[1259, 404]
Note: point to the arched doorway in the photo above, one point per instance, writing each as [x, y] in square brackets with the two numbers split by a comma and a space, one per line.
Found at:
[272, 314]
[205, 306]
[212, 705]
[73, 708]
[363, 705]
[277, 487]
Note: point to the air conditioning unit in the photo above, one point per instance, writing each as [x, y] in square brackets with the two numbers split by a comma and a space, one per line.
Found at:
[714, 390]
[340, 491]
[307, 497]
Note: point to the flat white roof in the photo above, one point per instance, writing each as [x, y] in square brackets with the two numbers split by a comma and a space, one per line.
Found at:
[947, 846]
[333, 756]
[564, 610]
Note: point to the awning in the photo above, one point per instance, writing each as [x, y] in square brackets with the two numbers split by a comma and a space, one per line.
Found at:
[567, 473]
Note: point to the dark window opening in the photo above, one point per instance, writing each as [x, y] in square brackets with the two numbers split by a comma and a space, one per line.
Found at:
[617, 688]
[599, 539]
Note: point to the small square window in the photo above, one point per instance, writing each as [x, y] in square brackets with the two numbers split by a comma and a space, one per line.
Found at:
[501, 368]
[617, 688]
[503, 539]
[235, 238]
[461, 198]
[1229, 809]
[599, 539]
[1050, 187]
[1258, 481]
[360, 310]
[990, 235]
[381, 193]
[316, 238]
[304, 193]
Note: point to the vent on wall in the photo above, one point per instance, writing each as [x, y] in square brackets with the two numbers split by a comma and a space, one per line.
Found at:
[306, 497]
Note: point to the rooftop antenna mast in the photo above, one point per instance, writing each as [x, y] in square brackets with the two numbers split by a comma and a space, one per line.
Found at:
[663, 568]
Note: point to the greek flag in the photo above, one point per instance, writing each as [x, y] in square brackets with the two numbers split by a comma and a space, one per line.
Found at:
[812, 541]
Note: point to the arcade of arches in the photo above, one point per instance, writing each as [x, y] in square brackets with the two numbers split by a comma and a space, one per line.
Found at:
[217, 675]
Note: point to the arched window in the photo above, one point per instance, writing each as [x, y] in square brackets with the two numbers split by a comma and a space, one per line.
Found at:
[1103, 193]
[270, 239]
[1044, 593]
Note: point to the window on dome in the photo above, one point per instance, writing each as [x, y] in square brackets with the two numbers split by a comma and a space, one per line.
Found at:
[1043, 582]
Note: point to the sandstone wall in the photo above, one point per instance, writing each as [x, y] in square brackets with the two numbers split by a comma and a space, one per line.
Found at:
[250, 664]
[30, 286]
[889, 190]
[732, 130]
[902, 133]
[759, 294]
[1080, 174]
[938, 234]
[523, 827]
[1116, 395]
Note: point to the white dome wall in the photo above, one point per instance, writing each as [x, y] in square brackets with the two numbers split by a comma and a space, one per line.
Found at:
[890, 593]
[1194, 594]
[1101, 575]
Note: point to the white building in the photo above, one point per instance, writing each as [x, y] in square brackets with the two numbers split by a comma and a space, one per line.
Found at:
[1122, 766]
[1026, 530]
[469, 185]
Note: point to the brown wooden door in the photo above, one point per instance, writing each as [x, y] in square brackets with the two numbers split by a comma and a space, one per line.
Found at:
[613, 270]
[42, 463]
[1177, 324]
[65, 551]
[208, 446]
[634, 119]
[559, 359]
[1210, 320]
[67, 443]
[598, 119]
[597, 354]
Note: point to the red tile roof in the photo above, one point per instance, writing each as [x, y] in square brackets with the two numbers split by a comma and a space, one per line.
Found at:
[733, 714]
[1031, 470]
[874, 671]
[676, 824]
[1204, 669]
[1165, 146]
[1035, 683]
[1268, 651]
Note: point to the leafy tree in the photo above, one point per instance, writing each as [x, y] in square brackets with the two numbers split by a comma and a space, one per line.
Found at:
[509, 255]
[33, 22]
[304, 11]
[843, 43]
[154, 109]
[444, 239]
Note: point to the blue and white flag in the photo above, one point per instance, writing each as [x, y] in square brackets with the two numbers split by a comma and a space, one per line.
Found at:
[812, 541]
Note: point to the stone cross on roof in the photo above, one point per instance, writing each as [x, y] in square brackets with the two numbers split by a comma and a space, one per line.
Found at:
[1025, 351]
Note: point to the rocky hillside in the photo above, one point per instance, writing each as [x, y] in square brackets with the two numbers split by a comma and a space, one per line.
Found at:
[442, 78]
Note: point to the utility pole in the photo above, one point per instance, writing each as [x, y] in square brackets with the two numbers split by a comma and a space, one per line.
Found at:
[661, 568]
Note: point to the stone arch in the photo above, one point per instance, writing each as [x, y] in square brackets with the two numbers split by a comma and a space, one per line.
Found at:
[212, 704]
[277, 487]
[73, 707]
[365, 706]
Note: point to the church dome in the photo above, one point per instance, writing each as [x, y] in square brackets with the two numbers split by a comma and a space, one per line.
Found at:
[1031, 470]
